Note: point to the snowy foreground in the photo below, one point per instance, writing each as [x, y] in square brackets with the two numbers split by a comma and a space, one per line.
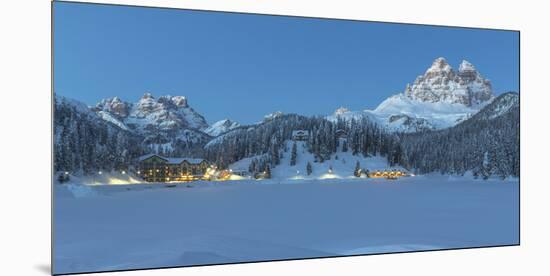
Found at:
[117, 227]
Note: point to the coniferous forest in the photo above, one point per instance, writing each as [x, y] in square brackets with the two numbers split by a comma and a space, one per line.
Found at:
[487, 144]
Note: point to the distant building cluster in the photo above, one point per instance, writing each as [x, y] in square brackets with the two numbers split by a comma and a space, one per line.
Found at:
[156, 168]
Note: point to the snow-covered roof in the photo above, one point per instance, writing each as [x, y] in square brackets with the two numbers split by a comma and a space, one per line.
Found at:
[147, 156]
[172, 160]
[178, 160]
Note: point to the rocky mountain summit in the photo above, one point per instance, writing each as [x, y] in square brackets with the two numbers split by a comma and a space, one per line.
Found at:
[165, 113]
[165, 123]
[441, 83]
[440, 98]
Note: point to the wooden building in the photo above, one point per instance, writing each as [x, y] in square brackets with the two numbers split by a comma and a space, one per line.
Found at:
[156, 168]
[341, 134]
[300, 135]
[388, 174]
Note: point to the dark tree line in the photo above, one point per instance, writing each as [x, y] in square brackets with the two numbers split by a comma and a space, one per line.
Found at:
[86, 144]
[486, 144]
[268, 140]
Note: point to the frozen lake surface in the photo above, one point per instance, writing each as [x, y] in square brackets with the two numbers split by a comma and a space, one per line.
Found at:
[117, 227]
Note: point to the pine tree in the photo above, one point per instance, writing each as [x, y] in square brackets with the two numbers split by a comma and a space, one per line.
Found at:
[252, 166]
[267, 172]
[357, 171]
[309, 169]
[345, 146]
[293, 155]
[485, 166]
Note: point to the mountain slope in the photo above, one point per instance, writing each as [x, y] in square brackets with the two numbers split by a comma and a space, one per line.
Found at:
[85, 143]
[439, 99]
[221, 126]
[486, 144]
[167, 124]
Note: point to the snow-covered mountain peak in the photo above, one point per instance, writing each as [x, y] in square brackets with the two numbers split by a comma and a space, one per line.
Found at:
[273, 115]
[440, 98]
[165, 112]
[115, 106]
[466, 66]
[341, 111]
[221, 126]
[441, 83]
[180, 101]
[439, 65]
[147, 95]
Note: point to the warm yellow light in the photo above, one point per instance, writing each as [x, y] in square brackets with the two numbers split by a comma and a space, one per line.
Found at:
[158, 170]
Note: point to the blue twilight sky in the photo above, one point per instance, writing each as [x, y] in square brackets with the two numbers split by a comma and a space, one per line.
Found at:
[242, 66]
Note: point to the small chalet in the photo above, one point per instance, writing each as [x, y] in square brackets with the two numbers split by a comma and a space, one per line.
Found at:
[340, 133]
[300, 135]
[156, 168]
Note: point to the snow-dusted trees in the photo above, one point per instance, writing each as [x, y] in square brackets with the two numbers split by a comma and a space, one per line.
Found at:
[86, 144]
[485, 166]
[345, 146]
[357, 171]
[485, 144]
[267, 172]
[268, 139]
[309, 169]
[293, 154]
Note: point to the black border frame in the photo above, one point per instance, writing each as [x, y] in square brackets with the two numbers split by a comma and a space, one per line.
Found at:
[52, 158]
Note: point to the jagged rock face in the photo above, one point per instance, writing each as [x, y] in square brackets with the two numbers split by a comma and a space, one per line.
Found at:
[166, 113]
[167, 121]
[440, 98]
[114, 106]
[410, 124]
[441, 83]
